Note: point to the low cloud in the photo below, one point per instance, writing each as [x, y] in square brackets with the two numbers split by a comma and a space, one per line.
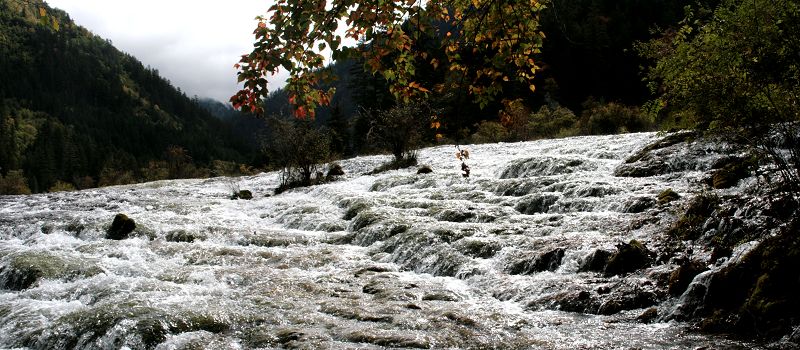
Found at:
[194, 44]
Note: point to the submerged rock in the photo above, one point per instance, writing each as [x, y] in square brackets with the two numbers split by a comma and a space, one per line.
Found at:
[25, 269]
[536, 203]
[121, 227]
[389, 339]
[549, 261]
[181, 236]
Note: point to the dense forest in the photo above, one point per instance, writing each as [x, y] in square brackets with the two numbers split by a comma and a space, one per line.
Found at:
[78, 113]
[591, 81]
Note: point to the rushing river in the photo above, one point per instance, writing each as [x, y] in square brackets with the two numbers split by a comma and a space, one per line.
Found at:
[367, 262]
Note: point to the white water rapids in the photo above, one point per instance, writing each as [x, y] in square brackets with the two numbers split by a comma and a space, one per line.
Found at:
[366, 262]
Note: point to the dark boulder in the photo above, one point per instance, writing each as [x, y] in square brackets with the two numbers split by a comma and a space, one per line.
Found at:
[181, 236]
[571, 301]
[549, 261]
[728, 171]
[245, 194]
[638, 204]
[425, 169]
[680, 279]
[629, 257]
[667, 196]
[335, 170]
[595, 262]
[121, 227]
[630, 300]
[648, 315]
[758, 294]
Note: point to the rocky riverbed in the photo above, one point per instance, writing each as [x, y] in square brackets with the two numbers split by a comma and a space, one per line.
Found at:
[553, 244]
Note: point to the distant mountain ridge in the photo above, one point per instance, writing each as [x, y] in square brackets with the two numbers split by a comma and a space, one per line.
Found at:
[73, 108]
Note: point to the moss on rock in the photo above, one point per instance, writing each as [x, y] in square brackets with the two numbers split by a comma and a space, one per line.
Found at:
[758, 294]
[629, 257]
[667, 196]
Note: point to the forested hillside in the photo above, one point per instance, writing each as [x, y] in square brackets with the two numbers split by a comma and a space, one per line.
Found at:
[77, 112]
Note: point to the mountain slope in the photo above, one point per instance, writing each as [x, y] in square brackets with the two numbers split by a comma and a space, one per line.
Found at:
[74, 107]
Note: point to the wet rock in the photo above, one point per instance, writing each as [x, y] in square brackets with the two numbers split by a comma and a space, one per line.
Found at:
[652, 168]
[181, 236]
[460, 318]
[652, 160]
[781, 207]
[536, 203]
[794, 338]
[629, 257]
[638, 204]
[425, 169]
[245, 194]
[759, 292]
[441, 295]
[570, 301]
[374, 269]
[351, 311]
[453, 215]
[478, 248]
[648, 315]
[390, 339]
[680, 279]
[271, 240]
[286, 336]
[592, 190]
[720, 252]
[665, 142]
[543, 166]
[353, 207]
[335, 170]
[667, 196]
[549, 261]
[728, 172]
[25, 269]
[365, 218]
[603, 290]
[596, 261]
[121, 227]
[627, 300]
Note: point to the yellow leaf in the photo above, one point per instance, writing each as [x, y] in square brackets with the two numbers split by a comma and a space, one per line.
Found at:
[42, 12]
[532, 87]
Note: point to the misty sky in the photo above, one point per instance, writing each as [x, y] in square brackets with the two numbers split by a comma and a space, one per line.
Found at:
[194, 44]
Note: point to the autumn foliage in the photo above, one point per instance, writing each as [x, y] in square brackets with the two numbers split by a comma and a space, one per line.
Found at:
[486, 43]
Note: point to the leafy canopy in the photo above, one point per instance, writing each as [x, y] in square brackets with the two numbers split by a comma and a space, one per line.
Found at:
[736, 72]
[485, 43]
